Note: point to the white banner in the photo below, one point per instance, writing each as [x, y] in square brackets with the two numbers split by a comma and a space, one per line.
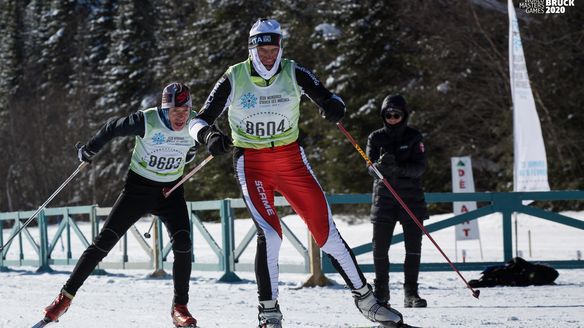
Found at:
[530, 163]
[463, 181]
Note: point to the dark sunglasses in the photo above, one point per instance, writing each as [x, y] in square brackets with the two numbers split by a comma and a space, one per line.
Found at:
[393, 115]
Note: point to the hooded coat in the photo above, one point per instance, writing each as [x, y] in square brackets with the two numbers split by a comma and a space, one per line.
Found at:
[406, 145]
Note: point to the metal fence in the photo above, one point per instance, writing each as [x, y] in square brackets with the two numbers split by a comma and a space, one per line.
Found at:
[228, 253]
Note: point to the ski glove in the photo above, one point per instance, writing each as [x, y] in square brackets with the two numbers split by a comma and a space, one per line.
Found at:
[84, 154]
[217, 142]
[333, 109]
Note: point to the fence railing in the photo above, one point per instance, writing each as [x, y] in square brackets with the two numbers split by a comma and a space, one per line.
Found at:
[228, 253]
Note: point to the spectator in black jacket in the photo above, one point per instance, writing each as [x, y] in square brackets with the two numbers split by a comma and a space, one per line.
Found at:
[398, 153]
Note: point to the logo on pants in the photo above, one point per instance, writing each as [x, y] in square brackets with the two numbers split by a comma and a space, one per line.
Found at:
[264, 197]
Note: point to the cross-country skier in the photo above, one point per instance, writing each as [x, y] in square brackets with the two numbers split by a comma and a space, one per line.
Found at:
[162, 148]
[399, 154]
[263, 95]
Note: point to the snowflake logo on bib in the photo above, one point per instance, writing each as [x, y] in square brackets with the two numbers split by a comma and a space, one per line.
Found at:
[248, 100]
[158, 138]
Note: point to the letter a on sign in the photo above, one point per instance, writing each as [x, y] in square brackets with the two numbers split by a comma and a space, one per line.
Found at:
[462, 181]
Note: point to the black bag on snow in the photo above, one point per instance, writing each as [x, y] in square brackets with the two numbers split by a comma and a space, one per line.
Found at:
[516, 272]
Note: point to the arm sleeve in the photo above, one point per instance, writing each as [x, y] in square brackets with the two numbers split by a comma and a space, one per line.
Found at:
[132, 125]
[311, 86]
[372, 149]
[416, 166]
[219, 99]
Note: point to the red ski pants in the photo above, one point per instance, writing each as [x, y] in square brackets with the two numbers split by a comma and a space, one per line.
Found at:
[285, 169]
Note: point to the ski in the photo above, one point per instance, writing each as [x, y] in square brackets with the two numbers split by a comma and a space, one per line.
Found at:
[403, 325]
[43, 323]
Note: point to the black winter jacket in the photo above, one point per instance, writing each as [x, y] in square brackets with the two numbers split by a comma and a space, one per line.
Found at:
[405, 143]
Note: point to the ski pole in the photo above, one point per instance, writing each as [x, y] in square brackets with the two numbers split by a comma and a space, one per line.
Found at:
[166, 192]
[147, 234]
[476, 292]
[79, 168]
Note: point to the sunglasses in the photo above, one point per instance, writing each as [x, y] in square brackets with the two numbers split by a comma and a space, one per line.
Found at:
[393, 115]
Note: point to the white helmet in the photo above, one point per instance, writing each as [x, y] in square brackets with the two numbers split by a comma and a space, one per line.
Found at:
[264, 32]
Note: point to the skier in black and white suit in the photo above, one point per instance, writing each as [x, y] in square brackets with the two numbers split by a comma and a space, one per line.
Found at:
[398, 152]
[162, 148]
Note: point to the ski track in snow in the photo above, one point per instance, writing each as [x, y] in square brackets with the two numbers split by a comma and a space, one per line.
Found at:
[128, 298]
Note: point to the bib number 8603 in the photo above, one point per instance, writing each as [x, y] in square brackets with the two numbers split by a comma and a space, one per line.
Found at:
[264, 129]
[164, 163]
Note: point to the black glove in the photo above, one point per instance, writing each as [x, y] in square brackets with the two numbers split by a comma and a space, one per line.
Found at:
[333, 109]
[84, 154]
[387, 165]
[217, 142]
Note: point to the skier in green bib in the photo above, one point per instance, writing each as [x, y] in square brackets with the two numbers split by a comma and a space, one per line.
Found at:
[162, 148]
[263, 96]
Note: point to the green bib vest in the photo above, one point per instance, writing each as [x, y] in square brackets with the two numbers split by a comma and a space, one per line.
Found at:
[160, 155]
[262, 117]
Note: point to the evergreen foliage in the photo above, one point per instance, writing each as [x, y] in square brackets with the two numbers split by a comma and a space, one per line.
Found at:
[67, 66]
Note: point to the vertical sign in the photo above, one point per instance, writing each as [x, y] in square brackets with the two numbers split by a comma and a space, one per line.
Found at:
[530, 163]
[463, 181]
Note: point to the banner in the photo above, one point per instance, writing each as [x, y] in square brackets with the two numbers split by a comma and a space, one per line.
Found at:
[463, 181]
[530, 163]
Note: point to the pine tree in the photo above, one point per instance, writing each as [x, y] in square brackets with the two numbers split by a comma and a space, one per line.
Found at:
[11, 62]
[127, 80]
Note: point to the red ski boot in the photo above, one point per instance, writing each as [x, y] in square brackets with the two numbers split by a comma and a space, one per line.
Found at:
[181, 316]
[59, 306]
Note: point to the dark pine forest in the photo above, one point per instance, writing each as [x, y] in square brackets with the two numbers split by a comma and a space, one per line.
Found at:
[66, 66]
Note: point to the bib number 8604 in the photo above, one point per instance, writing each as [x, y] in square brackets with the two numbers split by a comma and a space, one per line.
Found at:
[264, 129]
[164, 163]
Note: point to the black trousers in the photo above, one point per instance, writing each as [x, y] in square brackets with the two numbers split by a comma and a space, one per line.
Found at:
[139, 197]
[382, 236]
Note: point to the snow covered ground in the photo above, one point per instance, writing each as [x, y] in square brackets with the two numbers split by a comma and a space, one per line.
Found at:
[128, 298]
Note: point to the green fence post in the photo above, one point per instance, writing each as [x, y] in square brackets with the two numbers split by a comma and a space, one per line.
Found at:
[507, 235]
[67, 217]
[94, 232]
[2, 267]
[228, 241]
[43, 244]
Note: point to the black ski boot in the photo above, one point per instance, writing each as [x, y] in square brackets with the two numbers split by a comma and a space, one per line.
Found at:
[381, 291]
[411, 297]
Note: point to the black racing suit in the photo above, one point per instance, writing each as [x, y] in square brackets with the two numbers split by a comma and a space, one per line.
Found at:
[405, 143]
[139, 197]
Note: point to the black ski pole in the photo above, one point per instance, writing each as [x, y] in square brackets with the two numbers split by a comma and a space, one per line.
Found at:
[79, 168]
[476, 292]
[147, 234]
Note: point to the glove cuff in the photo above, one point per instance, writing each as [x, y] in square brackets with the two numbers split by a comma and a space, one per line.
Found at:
[204, 134]
[89, 151]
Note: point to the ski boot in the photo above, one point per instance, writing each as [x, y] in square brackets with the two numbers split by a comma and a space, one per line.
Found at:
[411, 297]
[269, 314]
[373, 310]
[59, 306]
[181, 317]
[381, 291]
